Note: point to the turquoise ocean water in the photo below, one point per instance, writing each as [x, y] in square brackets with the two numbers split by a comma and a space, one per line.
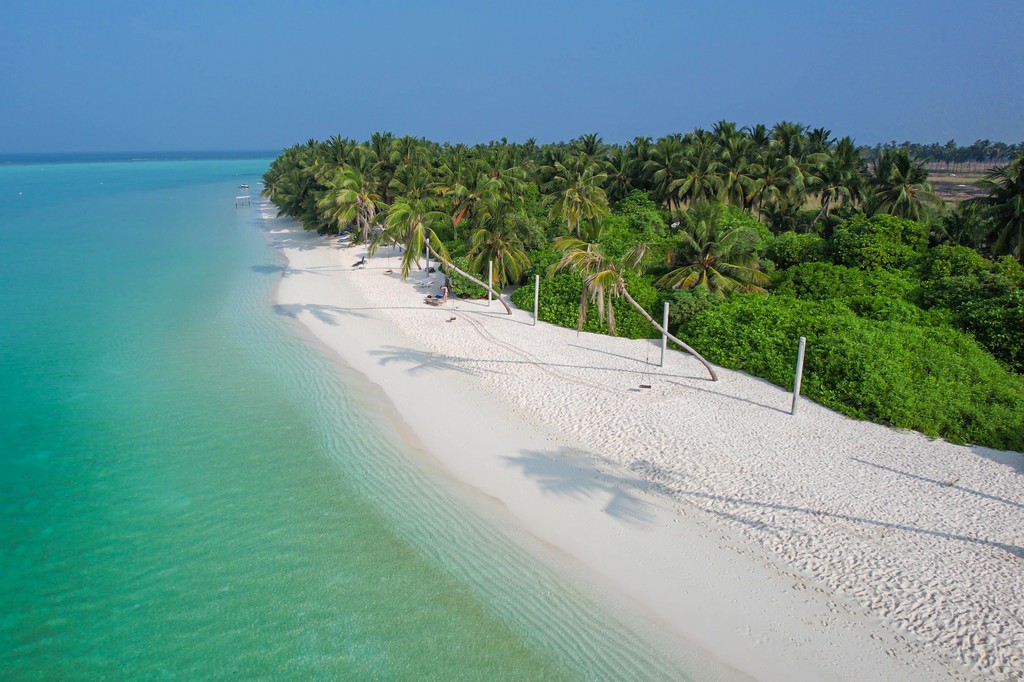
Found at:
[189, 490]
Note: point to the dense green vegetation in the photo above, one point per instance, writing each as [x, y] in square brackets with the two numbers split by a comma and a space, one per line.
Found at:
[913, 310]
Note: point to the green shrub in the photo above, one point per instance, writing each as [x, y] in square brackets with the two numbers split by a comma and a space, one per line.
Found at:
[559, 303]
[542, 260]
[954, 261]
[462, 287]
[880, 242]
[987, 305]
[789, 249]
[733, 216]
[932, 379]
[685, 303]
[825, 281]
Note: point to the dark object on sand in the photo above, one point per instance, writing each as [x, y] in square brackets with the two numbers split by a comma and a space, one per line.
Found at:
[361, 261]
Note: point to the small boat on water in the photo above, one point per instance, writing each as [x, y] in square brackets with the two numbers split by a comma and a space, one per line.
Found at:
[243, 186]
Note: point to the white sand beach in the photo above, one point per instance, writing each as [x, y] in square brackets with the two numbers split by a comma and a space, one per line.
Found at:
[806, 547]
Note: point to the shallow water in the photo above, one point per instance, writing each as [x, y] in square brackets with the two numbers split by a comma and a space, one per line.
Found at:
[190, 490]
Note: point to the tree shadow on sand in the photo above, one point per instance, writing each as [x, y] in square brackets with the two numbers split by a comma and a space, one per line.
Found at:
[328, 314]
[737, 515]
[720, 394]
[572, 473]
[425, 361]
[951, 485]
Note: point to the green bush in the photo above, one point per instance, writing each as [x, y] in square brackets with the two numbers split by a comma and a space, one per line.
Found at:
[559, 303]
[932, 379]
[954, 261]
[825, 281]
[462, 287]
[542, 260]
[789, 249]
[733, 216]
[880, 242]
[685, 303]
[989, 305]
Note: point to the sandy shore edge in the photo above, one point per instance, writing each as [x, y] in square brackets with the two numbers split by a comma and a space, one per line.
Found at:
[731, 556]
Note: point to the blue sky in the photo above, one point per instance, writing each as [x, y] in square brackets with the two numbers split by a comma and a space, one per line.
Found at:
[129, 76]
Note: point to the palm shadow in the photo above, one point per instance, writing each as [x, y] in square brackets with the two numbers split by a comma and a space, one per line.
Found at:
[818, 513]
[328, 314]
[730, 397]
[952, 485]
[571, 473]
[424, 361]
[651, 369]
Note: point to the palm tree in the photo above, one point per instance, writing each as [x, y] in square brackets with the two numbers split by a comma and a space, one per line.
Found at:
[578, 194]
[716, 257]
[409, 224]
[664, 166]
[604, 281]
[699, 180]
[839, 176]
[466, 189]
[736, 173]
[1005, 202]
[497, 241]
[899, 186]
[965, 225]
[619, 167]
[773, 175]
[351, 196]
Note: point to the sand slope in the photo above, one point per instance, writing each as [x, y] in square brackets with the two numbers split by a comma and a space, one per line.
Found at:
[790, 547]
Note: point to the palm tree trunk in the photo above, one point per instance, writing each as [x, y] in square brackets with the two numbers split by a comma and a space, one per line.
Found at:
[647, 316]
[471, 278]
[825, 202]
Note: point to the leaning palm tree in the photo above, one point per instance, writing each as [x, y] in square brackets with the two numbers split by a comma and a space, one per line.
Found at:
[604, 281]
[1005, 202]
[713, 256]
[409, 224]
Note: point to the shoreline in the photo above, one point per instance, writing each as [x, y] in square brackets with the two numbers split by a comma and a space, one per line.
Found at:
[705, 509]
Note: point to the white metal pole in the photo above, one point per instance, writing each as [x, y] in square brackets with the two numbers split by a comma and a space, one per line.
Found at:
[799, 373]
[490, 279]
[426, 252]
[664, 337]
[536, 298]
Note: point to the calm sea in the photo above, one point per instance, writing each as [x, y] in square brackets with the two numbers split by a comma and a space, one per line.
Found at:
[188, 490]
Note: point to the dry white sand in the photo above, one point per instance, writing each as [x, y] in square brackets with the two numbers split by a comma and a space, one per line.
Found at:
[790, 547]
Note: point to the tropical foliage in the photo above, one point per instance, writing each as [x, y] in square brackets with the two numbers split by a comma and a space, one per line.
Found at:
[755, 236]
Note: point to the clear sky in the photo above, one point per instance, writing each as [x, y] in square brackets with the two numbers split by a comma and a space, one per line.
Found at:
[152, 75]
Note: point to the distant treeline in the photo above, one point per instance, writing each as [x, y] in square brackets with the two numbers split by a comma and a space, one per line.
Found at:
[978, 156]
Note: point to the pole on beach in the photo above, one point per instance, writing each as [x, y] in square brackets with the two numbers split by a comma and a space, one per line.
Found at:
[799, 373]
[426, 252]
[664, 337]
[490, 280]
[536, 298]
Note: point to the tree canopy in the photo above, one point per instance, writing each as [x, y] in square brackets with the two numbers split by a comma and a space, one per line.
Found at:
[754, 235]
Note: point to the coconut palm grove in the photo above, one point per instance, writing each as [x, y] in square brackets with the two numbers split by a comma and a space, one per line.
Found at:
[913, 307]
